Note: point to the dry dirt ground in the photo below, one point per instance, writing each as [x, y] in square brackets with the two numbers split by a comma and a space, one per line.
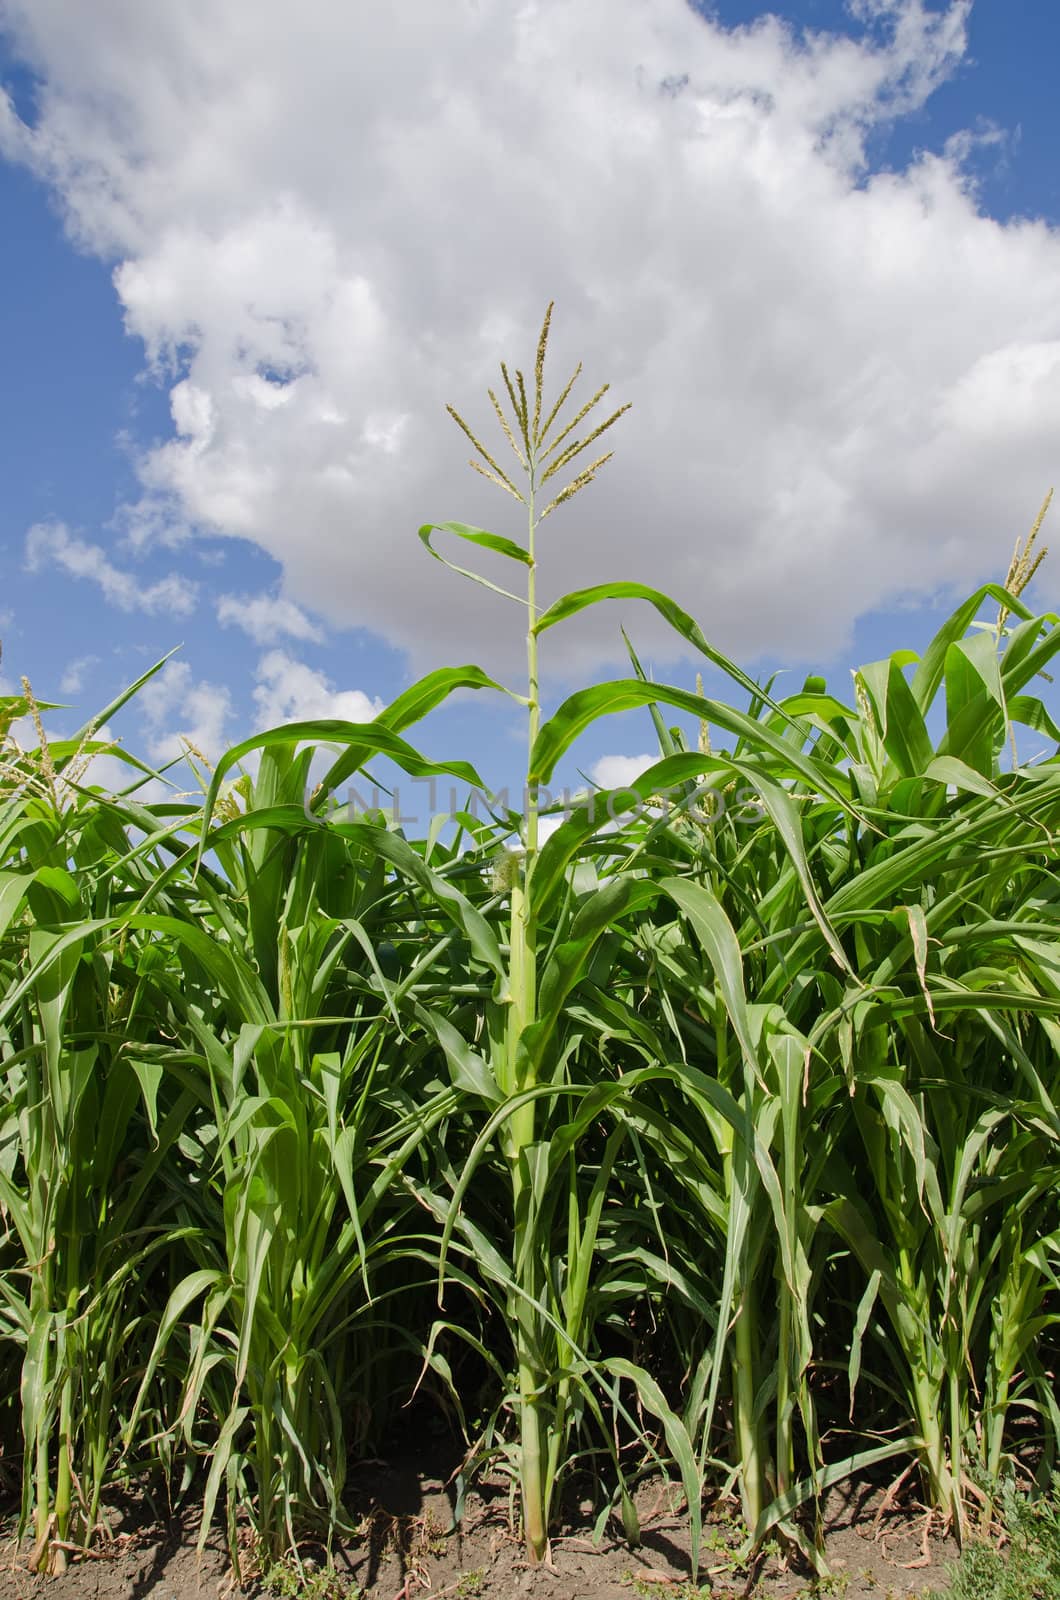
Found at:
[406, 1553]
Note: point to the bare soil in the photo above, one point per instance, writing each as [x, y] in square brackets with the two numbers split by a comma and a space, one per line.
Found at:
[406, 1551]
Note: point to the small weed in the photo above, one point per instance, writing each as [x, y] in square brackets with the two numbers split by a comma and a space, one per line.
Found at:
[720, 1541]
[1025, 1565]
[650, 1590]
[834, 1586]
[433, 1540]
[284, 1580]
[471, 1583]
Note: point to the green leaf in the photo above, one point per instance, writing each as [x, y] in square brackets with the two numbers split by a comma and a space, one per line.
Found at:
[486, 541]
[653, 1400]
[570, 604]
[580, 710]
[365, 739]
[929, 674]
[974, 704]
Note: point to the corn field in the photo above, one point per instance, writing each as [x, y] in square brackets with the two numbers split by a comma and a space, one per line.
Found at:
[715, 1139]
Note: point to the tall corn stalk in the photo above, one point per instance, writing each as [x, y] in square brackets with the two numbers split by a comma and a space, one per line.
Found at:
[542, 455]
[80, 1143]
[550, 1081]
[311, 1105]
[943, 963]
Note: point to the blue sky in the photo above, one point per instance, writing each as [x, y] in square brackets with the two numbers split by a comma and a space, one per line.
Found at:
[121, 444]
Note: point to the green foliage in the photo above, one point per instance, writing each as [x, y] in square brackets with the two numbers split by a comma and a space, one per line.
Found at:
[719, 1129]
[289, 1579]
[1024, 1564]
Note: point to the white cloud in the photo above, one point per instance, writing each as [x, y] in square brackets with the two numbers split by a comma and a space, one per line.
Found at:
[547, 826]
[179, 711]
[73, 679]
[290, 691]
[265, 617]
[615, 772]
[846, 385]
[50, 545]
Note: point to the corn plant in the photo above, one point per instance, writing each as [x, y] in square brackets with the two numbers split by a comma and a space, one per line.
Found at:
[80, 1142]
[892, 1041]
[717, 1130]
[310, 1107]
[549, 1085]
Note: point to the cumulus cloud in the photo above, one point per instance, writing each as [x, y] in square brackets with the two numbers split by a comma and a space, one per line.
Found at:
[265, 617]
[615, 772]
[180, 710]
[51, 546]
[73, 679]
[290, 691]
[846, 384]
